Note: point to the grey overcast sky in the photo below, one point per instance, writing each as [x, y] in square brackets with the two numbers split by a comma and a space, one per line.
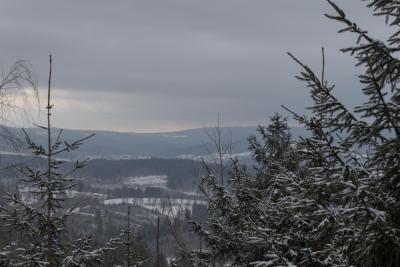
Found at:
[163, 65]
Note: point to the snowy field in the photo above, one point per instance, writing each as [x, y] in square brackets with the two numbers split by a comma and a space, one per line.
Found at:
[165, 206]
[214, 157]
[31, 195]
[146, 181]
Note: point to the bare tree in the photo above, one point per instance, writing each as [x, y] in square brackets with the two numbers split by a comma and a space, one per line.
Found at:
[222, 145]
[18, 88]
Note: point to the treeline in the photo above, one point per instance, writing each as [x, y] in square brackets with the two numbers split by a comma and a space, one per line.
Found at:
[181, 173]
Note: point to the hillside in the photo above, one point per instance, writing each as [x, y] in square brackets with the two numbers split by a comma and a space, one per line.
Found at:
[191, 144]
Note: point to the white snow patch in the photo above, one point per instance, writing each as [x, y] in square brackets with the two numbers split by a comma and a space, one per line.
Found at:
[147, 181]
[165, 206]
[212, 158]
[74, 193]
[31, 195]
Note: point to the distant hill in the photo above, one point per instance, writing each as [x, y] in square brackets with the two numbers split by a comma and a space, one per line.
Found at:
[192, 143]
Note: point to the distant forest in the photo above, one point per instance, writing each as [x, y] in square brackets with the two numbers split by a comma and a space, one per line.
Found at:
[181, 173]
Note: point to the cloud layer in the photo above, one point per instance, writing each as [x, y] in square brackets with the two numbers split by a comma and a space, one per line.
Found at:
[172, 64]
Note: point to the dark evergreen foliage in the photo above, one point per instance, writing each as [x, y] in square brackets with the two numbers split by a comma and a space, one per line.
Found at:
[330, 199]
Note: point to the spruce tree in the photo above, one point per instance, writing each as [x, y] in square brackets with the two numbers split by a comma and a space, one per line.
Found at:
[42, 229]
[331, 198]
[248, 207]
